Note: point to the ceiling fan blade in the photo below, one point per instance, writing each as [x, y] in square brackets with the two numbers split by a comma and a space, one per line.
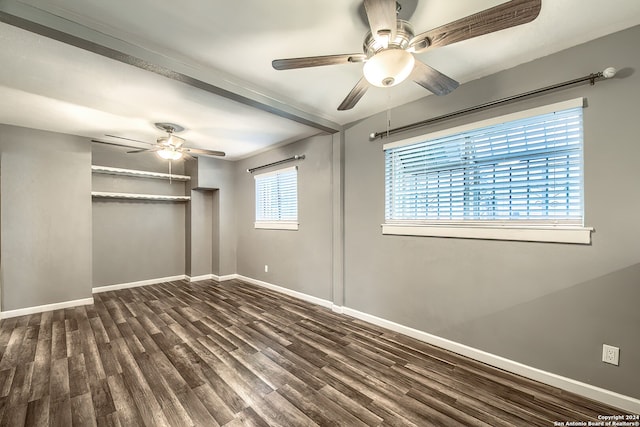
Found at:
[432, 79]
[382, 19]
[203, 152]
[317, 61]
[129, 139]
[503, 16]
[354, 96]
[142, 150]
[112, 143]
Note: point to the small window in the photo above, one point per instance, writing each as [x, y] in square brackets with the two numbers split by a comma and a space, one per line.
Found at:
[277, 199]
[517, 177]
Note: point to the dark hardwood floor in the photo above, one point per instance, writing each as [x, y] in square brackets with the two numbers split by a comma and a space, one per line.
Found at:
[232, 354]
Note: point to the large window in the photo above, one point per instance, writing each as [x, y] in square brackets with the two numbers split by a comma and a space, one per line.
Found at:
[277, 199]
[517, 177]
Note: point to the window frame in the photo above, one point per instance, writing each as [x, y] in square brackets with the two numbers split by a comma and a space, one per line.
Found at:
[492, 229]
[274, 223]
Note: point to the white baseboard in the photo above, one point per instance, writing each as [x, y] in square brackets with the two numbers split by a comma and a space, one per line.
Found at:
[286, 291]
[47, 307]
[199, 278]
[138, 283]
[606, 396]
[212, 277]
[592, 392]
[163, 280]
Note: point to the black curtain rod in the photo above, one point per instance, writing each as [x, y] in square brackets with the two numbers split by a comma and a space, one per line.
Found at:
[279, 162]
[592, 78]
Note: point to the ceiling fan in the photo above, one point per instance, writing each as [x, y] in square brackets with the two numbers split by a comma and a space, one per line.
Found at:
[169, 146]
[389, 46]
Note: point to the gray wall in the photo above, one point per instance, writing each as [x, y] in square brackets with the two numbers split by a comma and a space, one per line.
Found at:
[45, 218]
[299, 260]
[200, 237]
[136, 240]
[550, 306]
[217, 174]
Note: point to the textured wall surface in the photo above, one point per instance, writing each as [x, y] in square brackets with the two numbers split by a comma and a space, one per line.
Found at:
[45, 218]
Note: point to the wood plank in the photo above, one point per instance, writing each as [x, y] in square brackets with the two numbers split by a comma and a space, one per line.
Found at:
[12, 352]
[78, 376]
[59, 381]
[37, 412]
[196, 410]
[58, 340]
[247, 418]
[136, 384]
[241, 382]
[214, 404]
[41, 368]
[82, 410]
[103, 402]
[297, 366]
[21, 385]
[277, 411]
[353, 407]
[318, 408]
[211, 367]
[123, 402]
[60, 413]
[14, 415]
[108, 358]
[171, 406]
[6, 380]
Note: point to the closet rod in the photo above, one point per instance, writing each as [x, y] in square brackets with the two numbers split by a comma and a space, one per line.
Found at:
[279, 162]
[592, 78]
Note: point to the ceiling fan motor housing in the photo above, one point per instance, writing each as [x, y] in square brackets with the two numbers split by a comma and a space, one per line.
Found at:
[171, 141]
[404, 34]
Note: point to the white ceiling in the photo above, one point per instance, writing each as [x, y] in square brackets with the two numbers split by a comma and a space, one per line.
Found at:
[47, 84]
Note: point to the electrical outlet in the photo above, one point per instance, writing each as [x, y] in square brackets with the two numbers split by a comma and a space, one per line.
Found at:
[266, 268]
[610, 354]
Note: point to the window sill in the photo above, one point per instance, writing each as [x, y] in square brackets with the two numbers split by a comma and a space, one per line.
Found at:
[276, 225]
[577, 235]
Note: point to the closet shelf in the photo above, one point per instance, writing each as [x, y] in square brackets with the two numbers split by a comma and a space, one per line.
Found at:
[131, 196]
[137, 173]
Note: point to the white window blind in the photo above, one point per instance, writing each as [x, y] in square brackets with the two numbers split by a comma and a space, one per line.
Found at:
[277, 199]
[525, 171]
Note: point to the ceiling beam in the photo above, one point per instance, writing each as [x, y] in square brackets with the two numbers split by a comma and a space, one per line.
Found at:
[213, 81]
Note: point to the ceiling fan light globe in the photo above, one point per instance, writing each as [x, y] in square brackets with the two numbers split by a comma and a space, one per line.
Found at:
[169, 154]
[389, 67]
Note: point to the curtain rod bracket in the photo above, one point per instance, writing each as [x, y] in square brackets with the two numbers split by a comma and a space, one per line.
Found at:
[591, 78]
[279, 162]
